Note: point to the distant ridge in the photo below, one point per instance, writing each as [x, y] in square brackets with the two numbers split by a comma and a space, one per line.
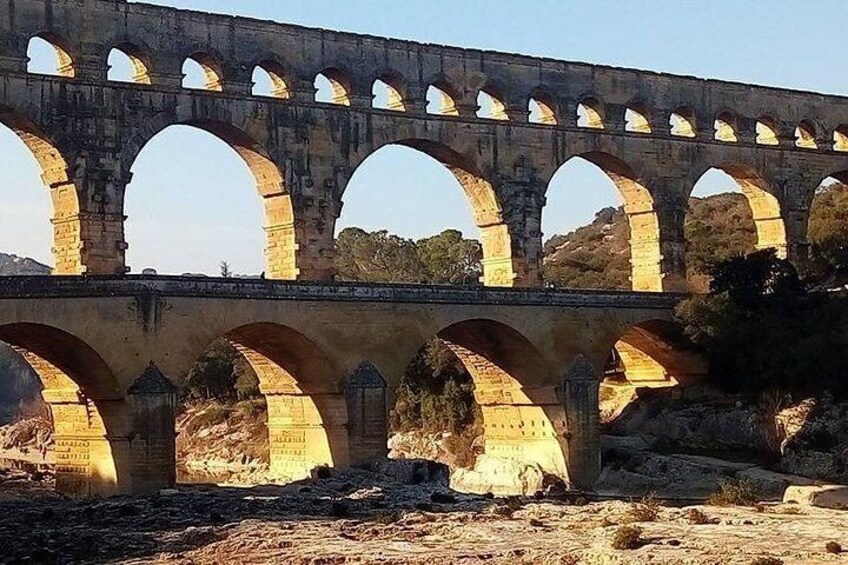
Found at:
[14, 265]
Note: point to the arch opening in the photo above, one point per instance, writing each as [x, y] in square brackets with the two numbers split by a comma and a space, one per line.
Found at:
[127, 64]
[202, 72]
[441, 100]
[827, 231]
[620, 249]
[541, 108]
[487, 385]
[332, 87]
[490, 106]
[766, 132]
[272, 380]
[409, 255]
[71, 397]
[805, 136]
[589, 114]
[682, 122]
[725, 128]
[48, 54]
[157, 198]
[386, 96]
[840, 139]
[636, 120]
[30, 154]
[722, 223]
[269, 80]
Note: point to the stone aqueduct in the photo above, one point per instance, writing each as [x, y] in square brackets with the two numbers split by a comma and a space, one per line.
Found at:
[108, 346]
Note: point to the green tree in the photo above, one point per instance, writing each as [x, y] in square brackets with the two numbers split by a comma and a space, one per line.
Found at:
[221, 372]
[448, 258]
[378, 257]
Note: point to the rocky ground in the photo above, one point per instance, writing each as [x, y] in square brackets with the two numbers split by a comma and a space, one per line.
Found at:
[375, 516]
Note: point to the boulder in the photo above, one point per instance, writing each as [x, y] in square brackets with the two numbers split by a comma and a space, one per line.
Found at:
[503, 477]
[821, 496]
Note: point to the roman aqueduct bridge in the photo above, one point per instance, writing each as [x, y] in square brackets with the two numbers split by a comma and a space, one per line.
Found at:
[110, 348]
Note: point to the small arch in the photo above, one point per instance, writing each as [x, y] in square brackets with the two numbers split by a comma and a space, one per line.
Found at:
[541, 108]
[805, 136]
[589, 114]
[332, 87]
[269, 80]
[767, 132]
[44, 46]
[387, 95]
[490, 106]
[725, 128]
[202, 72]
[126, 64]
[441, 99]
[682, 122]
[636, 120]
[840, 139]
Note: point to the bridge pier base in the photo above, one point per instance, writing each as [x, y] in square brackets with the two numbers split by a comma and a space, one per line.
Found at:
[580, 398]
[152, 448]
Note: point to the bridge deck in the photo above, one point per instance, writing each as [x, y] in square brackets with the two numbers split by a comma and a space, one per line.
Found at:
[43, 287]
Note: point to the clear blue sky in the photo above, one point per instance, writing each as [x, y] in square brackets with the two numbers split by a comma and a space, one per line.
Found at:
[776, 42]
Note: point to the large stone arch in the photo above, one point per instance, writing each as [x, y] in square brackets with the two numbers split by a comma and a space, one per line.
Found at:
[281, 248]
[645, 230]
[87, 407]
[68, 229]
[523, 417]
[765, 206]
[499, 261]
[655, 354]
[307, 413]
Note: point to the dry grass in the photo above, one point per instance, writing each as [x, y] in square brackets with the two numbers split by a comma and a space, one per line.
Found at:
[627, 537]
[648, 510]
[697, 517]
[767, 561]
[734, 494]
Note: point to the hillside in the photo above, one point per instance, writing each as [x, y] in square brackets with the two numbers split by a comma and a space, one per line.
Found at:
[598, 255]
[18, 266]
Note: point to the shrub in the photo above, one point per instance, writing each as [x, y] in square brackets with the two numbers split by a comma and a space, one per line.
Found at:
[833, 547]
[767, 561]
[734, 494]
[627, 537]
[646, 511]
[697, 517]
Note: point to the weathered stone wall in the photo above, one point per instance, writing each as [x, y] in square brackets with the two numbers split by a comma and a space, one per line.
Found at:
[86, 132]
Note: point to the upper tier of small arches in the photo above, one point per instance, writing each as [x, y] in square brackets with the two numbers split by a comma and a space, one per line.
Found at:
[202, 70]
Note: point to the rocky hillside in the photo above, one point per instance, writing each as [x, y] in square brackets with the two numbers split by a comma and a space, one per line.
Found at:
[12, 265]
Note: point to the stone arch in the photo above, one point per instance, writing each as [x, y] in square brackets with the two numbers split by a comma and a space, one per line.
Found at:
[637, 119]
[86, 404]
[213, 70]
[646, 256]
[806, 135]
[276, 73]
[523, 417]
[725, 128]
[140, 60]
[840, 138]
[281, 237]
[590, 113]
[68, 230]
[498, 262]
[393, 96]
[490, 103]
[655, 354]
[65, 56]
[682, 122]
[307, 411]
[442, 98]
[339, 85]
[767, 131]
[765, 207]
[542, 107]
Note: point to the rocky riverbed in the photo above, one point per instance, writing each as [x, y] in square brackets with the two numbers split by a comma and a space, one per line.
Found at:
[376, 516]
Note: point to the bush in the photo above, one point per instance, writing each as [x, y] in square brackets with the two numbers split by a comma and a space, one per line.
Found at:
[734, 494]
[833, 547]
[627, 537]
[697, 517]
[646, 511]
